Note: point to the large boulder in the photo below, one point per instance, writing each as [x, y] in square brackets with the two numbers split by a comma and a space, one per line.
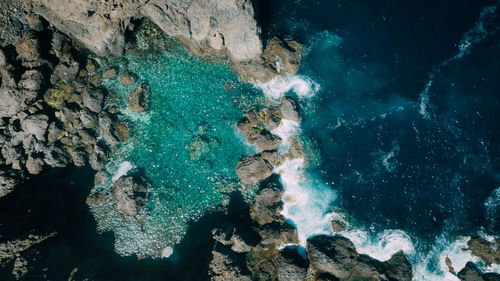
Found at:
[227, 265]
[291, 265]
[485, 249]
[93, 99]
[13, 101]
[113, 130]
[336, 258]
[36, 125]
[289, 109]
[130, 194]
[253, 169]
[138, 99]
[267, 204]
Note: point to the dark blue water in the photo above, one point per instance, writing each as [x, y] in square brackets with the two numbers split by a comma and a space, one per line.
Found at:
[403, 156]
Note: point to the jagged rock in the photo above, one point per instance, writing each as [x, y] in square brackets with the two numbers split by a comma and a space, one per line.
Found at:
[282, 56]
[207, 23]
[34, 22]
[55, 157]
[34, 165]
[253, 169]
[113, 130]
[278, 232]
[267, 204]
[126, 79]
[54, 132]
[3, 59]
[98, 158]
[291, 265]
[13, 101]
[271, 157]
[36, 125]
[78, 156]
[130, 194]
[289, 109]
[95, 199]
[110, 73]
[31, 80]
[10, 153]
[271, 118]
[93, 99]
[88, 118]
[28, 47]
[230, 238]
[336, 257]
[67, 112]
[485, 249]
[470, 273]
[256, 133]
[64, 72]
[8, 181]
[338, 226]
[86, 137]
[138, 99]
[227, 265]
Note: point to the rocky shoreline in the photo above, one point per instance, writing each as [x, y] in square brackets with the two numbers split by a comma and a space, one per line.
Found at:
[54, 113]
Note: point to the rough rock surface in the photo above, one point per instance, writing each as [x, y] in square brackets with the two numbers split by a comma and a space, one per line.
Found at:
[253, 169]
[130, 194]
[267, 203]
[113, 130]
[336, 257]
[486, 250]
[227, 266]
[471, 273]
[291, 265]
[138, 99]
[289, 109]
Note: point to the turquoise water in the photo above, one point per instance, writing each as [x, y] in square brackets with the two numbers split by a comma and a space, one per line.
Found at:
[186, 145]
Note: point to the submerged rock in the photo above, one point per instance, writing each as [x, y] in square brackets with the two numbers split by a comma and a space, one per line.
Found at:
[253, 169]
[138, 99]
[130, 194]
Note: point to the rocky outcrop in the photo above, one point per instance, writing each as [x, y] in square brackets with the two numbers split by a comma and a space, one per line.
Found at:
[113, 130]
[291, 265]
[336, 258]
[488, 251]
[253, 169]
[267, 204]
[138, 99]
[130, 194]
[471, 273]
[289, 109]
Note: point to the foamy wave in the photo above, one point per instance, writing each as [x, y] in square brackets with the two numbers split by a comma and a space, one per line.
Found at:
[382, 246]
[306, 203]
[276, 88]
[124, 168]
[286, 129]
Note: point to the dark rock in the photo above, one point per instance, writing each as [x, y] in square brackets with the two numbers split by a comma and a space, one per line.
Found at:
[54, 132]
[227, 265]
[9, 179]
[138, 99]
[78, 156]
[253, 169]
[36, 125]
[398, 267]
[55, 157]
[484, 249]
[278, 233]
[291, 265]
[130, 194]
[267, 203]
[14, 101]
[93, 99]
[64, 72]
[34, 165]
[470, 273]
[113, 130]
[289, 109]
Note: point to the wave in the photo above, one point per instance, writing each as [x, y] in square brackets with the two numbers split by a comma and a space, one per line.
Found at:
[124, 168]
[302, 86]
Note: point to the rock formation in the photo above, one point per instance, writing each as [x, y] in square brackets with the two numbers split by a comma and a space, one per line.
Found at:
[130, 194]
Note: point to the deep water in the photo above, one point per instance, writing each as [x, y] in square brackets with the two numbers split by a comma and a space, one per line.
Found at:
[406, 118]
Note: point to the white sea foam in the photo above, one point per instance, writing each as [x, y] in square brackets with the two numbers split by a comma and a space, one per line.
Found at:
[302, 86]
[286, 129]
[124, 168]
[167, 252]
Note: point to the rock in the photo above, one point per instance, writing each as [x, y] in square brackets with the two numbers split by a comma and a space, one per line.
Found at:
[256, 133]
[228, 237]
[56, 95]
[3, 59]
[78, 156]
[34, 165]
[88, 118]
[253, 169]
[12, 249]
[138, 99]
[470, 273]
[126, 79]
[113, 130]
[110, 73]
[34, 22]
[28, 47]
[20, 268]
[278, 232]
[86, 137]
[267, 204]
[95, 199]
[263, 262]
[9, 179]
[289, 109]
[291, 265]
[448, 264]
[485, 249]
[336, 257]
[338, 226]
[64, 72]
[295, 151]
[90, 66]
[36, 125]
[13, 101]
[130, 195]
[282, 56]
[227, 266]
[271, 157]
[203, 24]
[95, 79]
[10, 153]
[55, 157]
[31, 80]
[93, 99]
[54, 132]
[98, 158]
